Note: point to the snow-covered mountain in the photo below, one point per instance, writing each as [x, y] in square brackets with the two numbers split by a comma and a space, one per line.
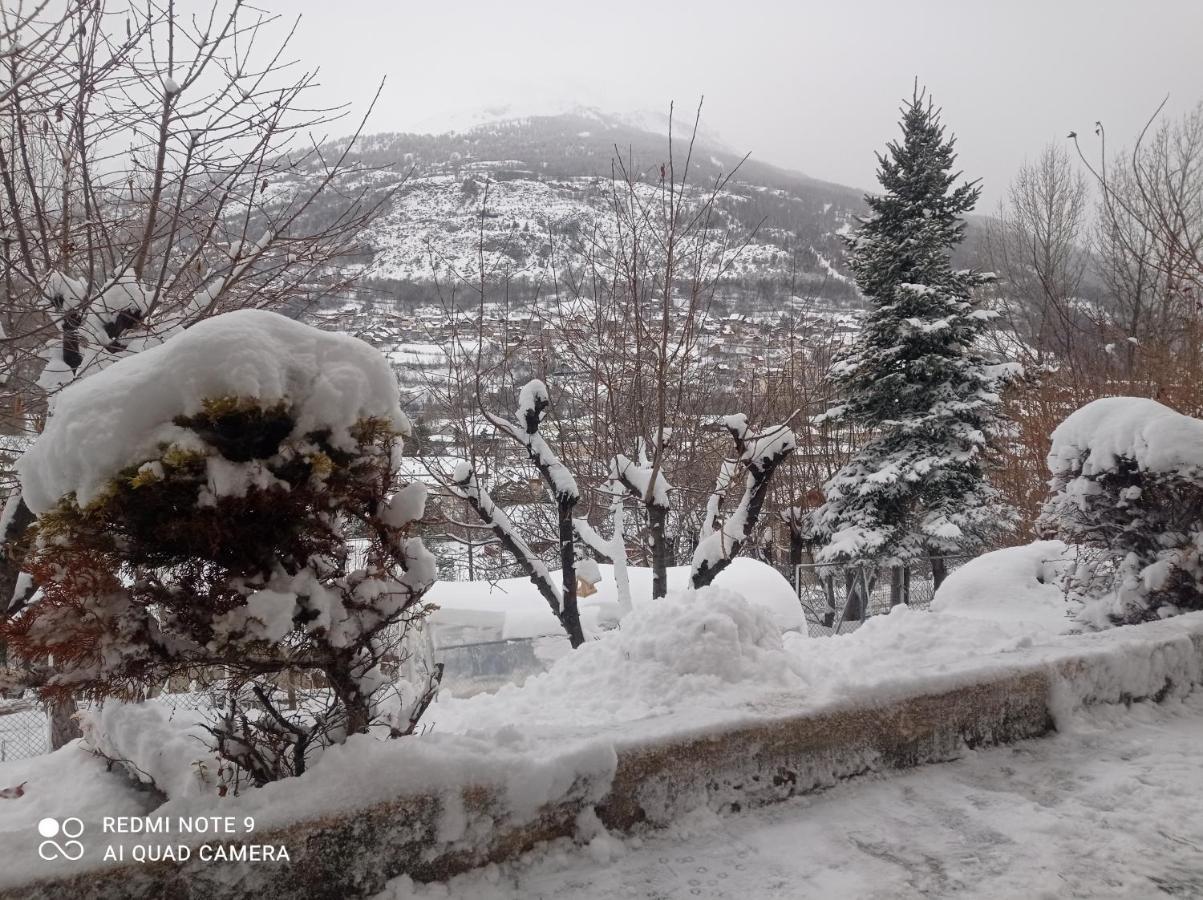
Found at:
[520, 186]
[653, 121]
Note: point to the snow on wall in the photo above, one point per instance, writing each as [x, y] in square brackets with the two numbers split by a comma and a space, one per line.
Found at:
[445, 802]
[120, 416]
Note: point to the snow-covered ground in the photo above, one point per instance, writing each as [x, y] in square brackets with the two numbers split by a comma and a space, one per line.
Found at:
[1107, 808]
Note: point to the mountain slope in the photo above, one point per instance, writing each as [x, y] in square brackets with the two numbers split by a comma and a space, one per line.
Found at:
[523, 190]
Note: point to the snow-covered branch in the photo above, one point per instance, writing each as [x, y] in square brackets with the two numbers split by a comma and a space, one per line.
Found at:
[533, 401]
[465, 485]
[760, 453]
[532, 406]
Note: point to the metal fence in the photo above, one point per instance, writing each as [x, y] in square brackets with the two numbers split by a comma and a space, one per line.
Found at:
[25, 726]
[837, 597]
[24, 730]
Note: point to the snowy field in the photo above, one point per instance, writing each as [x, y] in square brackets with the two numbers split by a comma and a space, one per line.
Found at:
[1109, 808]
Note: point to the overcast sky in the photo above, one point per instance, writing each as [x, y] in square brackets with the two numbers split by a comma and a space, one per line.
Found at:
[811, 86]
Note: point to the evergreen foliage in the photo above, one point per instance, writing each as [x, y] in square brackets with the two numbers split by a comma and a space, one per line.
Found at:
[915, 379]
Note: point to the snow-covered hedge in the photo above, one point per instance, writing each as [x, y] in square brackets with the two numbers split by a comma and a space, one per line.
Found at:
[194, 505]
[1128, 482]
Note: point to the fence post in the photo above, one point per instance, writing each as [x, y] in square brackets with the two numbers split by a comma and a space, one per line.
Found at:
[851, 592]
[896, 589]
[939, 571]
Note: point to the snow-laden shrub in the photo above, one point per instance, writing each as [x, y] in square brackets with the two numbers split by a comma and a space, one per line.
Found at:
[1128, 483]
[1021, 584]
[194, 507]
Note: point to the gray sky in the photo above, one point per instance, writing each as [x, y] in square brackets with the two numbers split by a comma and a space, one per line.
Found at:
[808, 85]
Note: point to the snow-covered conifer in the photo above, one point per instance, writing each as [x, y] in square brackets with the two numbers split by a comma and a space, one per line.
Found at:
[916, 380]
[1128, 483]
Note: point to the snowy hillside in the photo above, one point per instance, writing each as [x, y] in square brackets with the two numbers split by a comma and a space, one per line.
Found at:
[521, 187]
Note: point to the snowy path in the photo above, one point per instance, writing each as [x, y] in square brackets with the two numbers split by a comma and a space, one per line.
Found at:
[1114, 808]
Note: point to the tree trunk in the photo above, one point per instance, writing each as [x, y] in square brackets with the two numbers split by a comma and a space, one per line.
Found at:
[656, 516]
[618, 557]
[570, 616]
[64, 727]
[795, 559]
[356, 706]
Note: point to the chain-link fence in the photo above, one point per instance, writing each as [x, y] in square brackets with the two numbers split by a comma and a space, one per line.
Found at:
[24, 730]
[837, 597]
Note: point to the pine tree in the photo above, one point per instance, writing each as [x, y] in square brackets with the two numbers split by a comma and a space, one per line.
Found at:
[915, 378]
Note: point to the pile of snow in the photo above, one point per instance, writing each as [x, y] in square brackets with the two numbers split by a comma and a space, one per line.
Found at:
[123, 414]
[1155, 437]
[164, 747]
[689, 649]
[515, 606]
[1015, 584]
[70, 781]
[906, 647]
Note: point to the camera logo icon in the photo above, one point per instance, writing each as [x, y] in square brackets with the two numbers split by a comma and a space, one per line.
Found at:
[69, 828]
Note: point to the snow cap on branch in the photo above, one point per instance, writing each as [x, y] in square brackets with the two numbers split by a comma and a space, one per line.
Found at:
[638, 478]
[533, 401]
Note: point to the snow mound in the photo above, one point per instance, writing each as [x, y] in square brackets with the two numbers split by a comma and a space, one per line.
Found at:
[712, 633]
[514, 609]
[1015, 584]
[688, 649]
[1155, 437]
[121, 415]
[165, 747]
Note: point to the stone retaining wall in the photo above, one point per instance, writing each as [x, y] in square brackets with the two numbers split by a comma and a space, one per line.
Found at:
[353, 854]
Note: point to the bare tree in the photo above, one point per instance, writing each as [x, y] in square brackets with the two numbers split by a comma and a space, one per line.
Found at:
[635, 299]
[1150, 242]
[156, 168]
[1037, 244]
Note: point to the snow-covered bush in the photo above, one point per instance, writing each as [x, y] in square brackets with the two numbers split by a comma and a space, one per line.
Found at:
[1021, 584]
[194, 504]
[1128, 482]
